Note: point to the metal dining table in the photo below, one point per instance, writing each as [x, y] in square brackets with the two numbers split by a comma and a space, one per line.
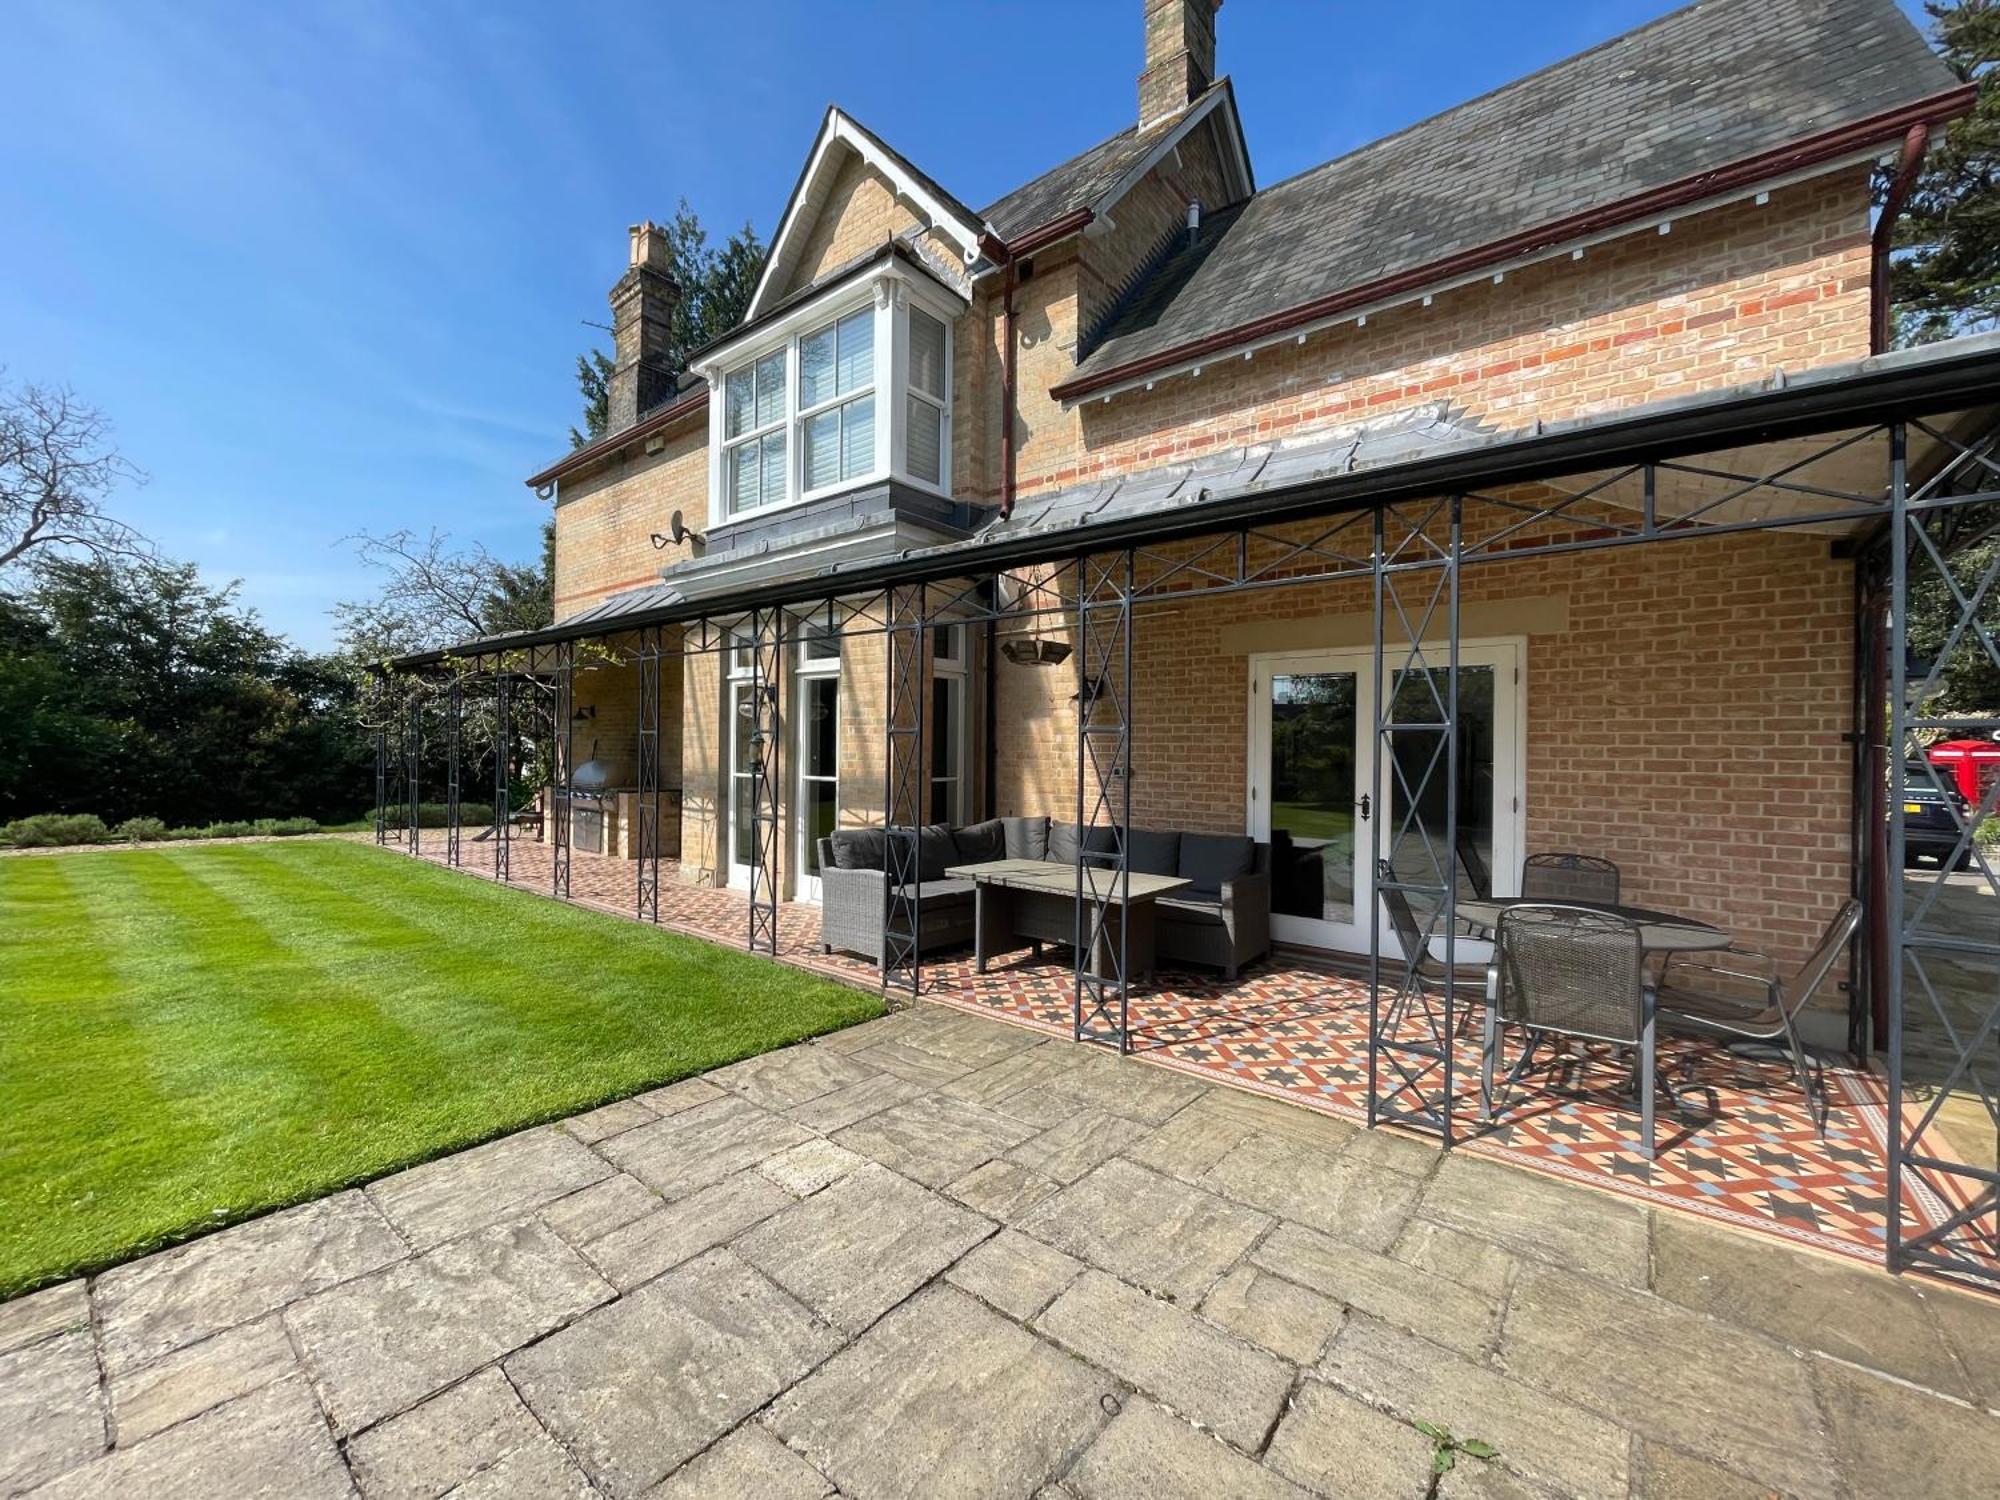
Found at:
[1659, 931]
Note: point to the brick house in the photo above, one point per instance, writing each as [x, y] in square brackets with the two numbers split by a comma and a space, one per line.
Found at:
[1636, 297]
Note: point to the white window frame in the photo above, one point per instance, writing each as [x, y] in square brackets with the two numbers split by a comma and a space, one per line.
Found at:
[737, 674]
[757, 434]
[893, 288]
[807, 668]
[801, 415]
[956, 668]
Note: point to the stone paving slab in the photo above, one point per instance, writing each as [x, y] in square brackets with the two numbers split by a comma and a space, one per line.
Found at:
[748, 1463]
[1842, 1309]
[637, 1388]
[190, 1381]
[508, 1179]
[689, 1150]
[1333, 1445]
[1015, 1274]
[180, 1296]
[1228, 1387]
[1163, 1235]
[638, 1251]
[39, 1315]
[1544, 1438]
[476, 1429]
[379, 1345]
[698, 1294]
[50, 1416]
[1439, 1309]
[855, 1250]
[1148, 1454]
[1669, 1375]
[272, 1444]
[1541, 1219]
[888, 1417]
[1326, 1190]
[933, 1140]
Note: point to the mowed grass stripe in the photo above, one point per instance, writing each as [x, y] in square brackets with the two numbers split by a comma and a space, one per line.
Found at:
[193, 1036]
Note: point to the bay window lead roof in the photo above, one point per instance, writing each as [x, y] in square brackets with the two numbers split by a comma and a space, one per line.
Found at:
[1700, 89]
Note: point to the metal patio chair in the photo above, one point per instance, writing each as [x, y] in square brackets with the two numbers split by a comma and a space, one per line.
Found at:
[1567, 972]
[1764, 1011]
[1569, 877]
[1427, 974]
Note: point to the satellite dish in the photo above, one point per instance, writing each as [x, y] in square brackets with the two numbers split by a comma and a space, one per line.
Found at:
[682, 531]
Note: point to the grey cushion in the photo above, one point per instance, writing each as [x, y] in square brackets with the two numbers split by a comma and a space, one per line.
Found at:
[1211, 859]
[1185, 908]
[858, 848]
[1027, 838]
[980, 842]
[1062, 841]
[1153, 853]
[936, 852]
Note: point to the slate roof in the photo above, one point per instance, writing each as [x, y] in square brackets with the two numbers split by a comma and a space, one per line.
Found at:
[1696, 90]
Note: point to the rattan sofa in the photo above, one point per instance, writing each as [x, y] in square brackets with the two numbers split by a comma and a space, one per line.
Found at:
[1222, 920]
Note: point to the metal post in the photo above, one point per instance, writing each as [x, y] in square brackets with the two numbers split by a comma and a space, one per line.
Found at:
[1899, 595]
[563, 764]
[766, 738]
[1102, 953]
[503, 765]
[906, 639]
[647, 805]
[413, 746]
[454, 708]
[381, 783]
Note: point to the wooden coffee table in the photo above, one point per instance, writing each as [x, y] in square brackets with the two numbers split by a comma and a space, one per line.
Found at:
[1019, 903]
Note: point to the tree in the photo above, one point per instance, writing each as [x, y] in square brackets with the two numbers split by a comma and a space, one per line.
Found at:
[57, 466]
[434, 595]
[130, 687]
[1944, 279]
[716, 285]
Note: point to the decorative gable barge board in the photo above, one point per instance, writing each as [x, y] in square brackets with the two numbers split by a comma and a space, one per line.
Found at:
[1826, 148]
[1911, 383]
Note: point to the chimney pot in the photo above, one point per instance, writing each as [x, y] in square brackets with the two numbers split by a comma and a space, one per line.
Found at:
[1180, 56]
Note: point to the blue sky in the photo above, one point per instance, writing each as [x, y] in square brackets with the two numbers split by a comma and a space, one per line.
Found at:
[327, 265]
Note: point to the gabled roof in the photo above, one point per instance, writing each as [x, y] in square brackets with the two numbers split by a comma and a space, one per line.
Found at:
[840, 133]
[1701, 89]
[1096, 178]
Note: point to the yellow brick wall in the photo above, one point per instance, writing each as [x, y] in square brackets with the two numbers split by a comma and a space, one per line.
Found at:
[1724, 298]
[606, 517]
[1686, 721]
[860, 213]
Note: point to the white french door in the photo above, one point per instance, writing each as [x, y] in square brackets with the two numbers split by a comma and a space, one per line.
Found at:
[817, 696]
[1318, 788]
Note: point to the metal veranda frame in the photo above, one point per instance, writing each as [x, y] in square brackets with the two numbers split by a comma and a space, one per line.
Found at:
[1411, 553]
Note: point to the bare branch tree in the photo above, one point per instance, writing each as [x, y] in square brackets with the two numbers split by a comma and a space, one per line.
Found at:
[57, 466]
[434, 595]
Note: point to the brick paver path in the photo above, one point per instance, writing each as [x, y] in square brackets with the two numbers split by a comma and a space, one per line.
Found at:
[939, 1255]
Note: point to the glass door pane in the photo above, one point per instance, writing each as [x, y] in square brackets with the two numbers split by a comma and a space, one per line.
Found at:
[1415, 845]
[742, 726]
[1313, 794]
[819, 764]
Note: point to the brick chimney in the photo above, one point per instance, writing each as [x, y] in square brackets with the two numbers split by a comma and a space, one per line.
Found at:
[642, 311]
[1180, 56]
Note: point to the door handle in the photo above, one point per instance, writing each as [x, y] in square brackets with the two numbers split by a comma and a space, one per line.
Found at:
[1366, 805]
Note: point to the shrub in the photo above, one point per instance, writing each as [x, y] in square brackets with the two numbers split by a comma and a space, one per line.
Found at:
[50, 830]
[1987, 834]
[141, 830]
[285, 828]
[437, 815]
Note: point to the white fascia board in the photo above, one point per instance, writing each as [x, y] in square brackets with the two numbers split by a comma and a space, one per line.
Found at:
[1570, 247]
[1168, 143]
[838, 129]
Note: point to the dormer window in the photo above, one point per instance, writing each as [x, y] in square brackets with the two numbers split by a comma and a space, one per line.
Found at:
[851, 388]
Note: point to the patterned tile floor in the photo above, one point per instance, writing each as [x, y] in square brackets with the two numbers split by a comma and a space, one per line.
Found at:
[1745, 1153]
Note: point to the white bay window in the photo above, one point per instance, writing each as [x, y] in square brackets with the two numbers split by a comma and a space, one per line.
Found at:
[852, 388]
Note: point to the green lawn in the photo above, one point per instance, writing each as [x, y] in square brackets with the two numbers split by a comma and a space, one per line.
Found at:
[1311, 820]
[192, 1036]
